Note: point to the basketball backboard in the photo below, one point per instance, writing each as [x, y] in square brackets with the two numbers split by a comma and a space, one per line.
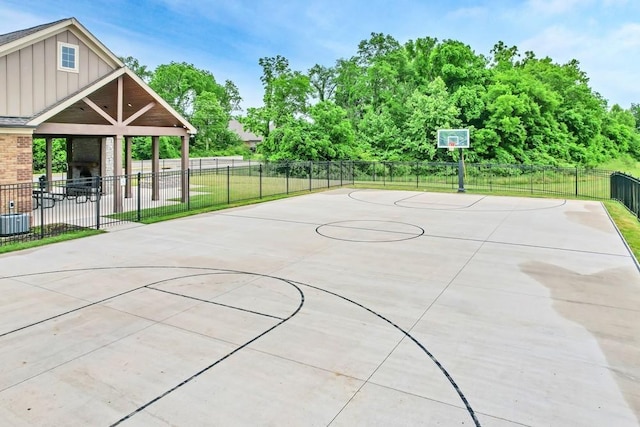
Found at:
[458, 138]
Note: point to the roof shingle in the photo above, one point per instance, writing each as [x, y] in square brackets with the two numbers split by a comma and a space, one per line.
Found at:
[9, 37]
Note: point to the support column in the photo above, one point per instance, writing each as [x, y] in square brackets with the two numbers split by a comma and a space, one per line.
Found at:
[127, 167]
[69, 156]
[48, 162]
[184, 166]
[103, 158]
[155, 168]
[117, 172]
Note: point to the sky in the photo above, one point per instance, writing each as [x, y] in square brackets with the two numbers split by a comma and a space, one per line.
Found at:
[228, 37]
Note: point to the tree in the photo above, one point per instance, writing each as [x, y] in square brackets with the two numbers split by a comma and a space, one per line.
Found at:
[326, 135]
[196, 95]
[58, 150]
[323, 81]
[231, 99]
[180, 83]
[140, 70]
[285, 96]
[212, 122]
[430, 111]
[635, 112]
[457, 65]
[378, 45]
[380, 135]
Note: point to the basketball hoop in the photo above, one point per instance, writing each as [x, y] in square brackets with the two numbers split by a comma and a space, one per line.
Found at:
[452, 146]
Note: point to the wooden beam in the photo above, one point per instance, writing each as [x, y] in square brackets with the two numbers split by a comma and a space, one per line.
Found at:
[138, 113]
[56, 129]
[68, 146]
[99, 110]
[48, 161]
[120, 101]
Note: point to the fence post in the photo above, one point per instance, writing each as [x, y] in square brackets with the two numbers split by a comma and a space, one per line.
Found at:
[286, 174]
[353, 172]
[310, 175]
[42, 187]
[228, 185]
[417, 176]
[576, 181]
[531, 180]
[139, 203]
[340, 173]
[328, 171]
[636, 204]
[98, 196]
[188, 171]
[260, 181]
[384, 174]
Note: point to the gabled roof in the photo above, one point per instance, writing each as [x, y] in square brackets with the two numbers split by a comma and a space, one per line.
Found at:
[9, 37]
[16, 40]
[100, 84]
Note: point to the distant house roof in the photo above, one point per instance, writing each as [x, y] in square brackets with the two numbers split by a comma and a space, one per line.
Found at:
[244, 135]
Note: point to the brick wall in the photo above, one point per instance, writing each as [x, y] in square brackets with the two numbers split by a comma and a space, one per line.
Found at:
[16, 166]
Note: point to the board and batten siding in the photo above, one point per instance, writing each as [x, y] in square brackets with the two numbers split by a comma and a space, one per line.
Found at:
[30, 81]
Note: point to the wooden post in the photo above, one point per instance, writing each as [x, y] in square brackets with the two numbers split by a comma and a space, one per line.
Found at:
[48, 162]
[69, 157]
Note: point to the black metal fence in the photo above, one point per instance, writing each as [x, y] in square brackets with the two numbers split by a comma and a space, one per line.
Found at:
[42, 209]
[506, 179]
[626, 189]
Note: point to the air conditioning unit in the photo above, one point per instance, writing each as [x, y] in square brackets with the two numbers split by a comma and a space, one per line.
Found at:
[11, 224]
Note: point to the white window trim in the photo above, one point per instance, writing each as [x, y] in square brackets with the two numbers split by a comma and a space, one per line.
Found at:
[76, 48]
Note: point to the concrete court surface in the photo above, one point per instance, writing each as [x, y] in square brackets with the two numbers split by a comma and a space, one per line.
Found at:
[342, 308]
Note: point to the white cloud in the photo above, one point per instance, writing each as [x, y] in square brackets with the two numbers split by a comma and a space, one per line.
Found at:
[610, 3]
[555, 7]
[626, 37]
[14, 20]
[469, 12]
[557, 42]
[610, 59]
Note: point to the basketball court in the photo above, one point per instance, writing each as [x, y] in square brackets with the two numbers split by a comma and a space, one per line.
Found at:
[347, 307]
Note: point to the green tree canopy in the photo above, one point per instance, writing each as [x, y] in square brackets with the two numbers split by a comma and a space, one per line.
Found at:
[520, 108]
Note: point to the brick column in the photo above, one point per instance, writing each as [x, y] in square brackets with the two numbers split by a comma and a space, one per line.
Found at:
[17, 168]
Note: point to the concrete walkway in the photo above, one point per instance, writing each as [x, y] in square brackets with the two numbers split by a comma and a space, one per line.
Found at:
[339, 308]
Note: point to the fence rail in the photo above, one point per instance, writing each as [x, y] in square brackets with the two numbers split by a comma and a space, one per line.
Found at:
[36, 210]
[626, 189]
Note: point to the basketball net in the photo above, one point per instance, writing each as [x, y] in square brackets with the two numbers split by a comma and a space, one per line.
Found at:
[452, 146]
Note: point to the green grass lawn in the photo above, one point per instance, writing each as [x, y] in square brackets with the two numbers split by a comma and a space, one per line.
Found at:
[17, 246]
[627, 223]
[627, 165]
